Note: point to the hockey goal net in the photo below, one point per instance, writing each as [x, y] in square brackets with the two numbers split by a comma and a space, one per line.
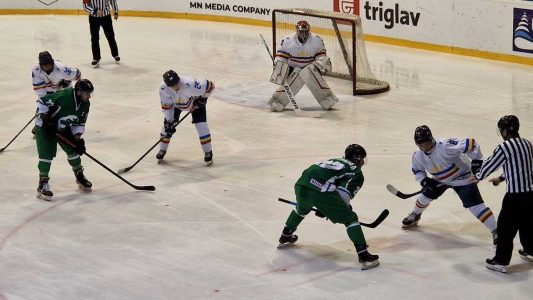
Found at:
[343, 37]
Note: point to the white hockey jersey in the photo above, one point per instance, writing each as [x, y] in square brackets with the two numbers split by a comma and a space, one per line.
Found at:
[189, 90]
[47, 83]
[447, 161]
[299, 55]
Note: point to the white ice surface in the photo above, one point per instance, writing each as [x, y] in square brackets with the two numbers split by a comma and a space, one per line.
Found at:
[211, 232]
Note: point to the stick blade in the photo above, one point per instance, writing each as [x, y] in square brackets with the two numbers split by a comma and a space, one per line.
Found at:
[392, 189]
[2, 150]
[124, 170]
[145, 188]
[384, 214]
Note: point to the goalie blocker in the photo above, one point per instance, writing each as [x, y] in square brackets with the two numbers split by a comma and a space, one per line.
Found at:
[311, 75]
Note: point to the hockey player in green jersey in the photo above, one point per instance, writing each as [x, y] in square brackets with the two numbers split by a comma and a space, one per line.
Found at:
[329, 186]
[64, 112]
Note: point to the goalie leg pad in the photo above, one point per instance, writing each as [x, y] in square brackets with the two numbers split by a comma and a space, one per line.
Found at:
[280, 72]
[279, 99]
[318, 87]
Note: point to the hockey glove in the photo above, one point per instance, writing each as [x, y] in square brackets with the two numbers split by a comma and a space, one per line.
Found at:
[319, 214]
[169, 128]
[49, 124]
[63, 83]
[429, 183]
[476, 165]
[79, 146]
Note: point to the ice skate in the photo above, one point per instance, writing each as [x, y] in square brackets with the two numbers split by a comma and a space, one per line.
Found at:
[526, 256]
[495, 266]
[287, 240]
[43, 190]
[161, 154]
[208, 158]
[367, 260]
[411, 220]
[83, 184]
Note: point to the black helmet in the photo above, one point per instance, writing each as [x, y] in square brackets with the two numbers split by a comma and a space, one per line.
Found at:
[354, 153]
[84, 85]
[171, 78]
[423, 134]
[45, 58]
[509, 123]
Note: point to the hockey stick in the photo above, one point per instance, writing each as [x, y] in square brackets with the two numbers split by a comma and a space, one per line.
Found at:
[137, 187]
[2, 150]
[382, 216]
[297, 110]
[399, 194]
[124, 170]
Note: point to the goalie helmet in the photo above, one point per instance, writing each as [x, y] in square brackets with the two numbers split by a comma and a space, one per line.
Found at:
[171, 78]
[303, 28]
[354, 153]
[45, 58]
[509, 123]
[423, 134]
[84, 85]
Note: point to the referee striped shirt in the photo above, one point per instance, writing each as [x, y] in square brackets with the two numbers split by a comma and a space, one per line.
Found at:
[93, 5]
[516, 157]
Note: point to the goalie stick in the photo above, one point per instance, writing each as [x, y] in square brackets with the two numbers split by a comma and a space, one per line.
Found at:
[399, 194]
[297, 110]
[382, 216]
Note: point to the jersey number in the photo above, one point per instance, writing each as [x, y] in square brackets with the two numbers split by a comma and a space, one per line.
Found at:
[331, 165]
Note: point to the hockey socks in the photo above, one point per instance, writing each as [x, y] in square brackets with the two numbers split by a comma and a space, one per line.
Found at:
[294, 220]
[355, 233]
[204, 135]
[485, 215]
[422, 202]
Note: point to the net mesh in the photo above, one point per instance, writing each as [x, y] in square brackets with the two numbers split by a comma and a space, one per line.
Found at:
[338, 31]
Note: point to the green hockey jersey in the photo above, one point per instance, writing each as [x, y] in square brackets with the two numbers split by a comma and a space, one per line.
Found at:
[336, 174]
[66, 110]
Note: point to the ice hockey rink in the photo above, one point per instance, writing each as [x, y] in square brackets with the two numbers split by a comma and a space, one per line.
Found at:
[211, 232]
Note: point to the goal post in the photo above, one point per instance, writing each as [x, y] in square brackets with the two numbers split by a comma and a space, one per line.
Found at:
[343, 37]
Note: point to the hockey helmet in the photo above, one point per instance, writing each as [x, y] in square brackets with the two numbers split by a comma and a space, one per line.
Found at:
[509, 123]
[303, 28]
[45, 58]
[171, 78]
[423, 134]
[354, 153]
[84, 85]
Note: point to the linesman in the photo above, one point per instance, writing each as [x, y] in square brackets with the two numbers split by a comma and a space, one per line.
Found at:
[515, 154]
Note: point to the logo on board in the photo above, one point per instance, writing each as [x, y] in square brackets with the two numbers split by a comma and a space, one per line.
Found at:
[346, 6]
[522, 31]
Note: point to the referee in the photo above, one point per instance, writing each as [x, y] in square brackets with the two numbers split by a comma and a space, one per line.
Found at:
[515, 154]
[100, 16]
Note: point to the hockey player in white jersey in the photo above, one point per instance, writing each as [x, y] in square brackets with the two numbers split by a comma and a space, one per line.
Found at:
[50, 75]
[447, 161]
[179, 94]
[301, 59]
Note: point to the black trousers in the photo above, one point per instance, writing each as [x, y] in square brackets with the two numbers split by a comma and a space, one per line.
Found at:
[107, 24]
[515, 216]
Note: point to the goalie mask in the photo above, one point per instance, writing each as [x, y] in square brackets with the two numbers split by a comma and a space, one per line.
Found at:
[303, 29]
